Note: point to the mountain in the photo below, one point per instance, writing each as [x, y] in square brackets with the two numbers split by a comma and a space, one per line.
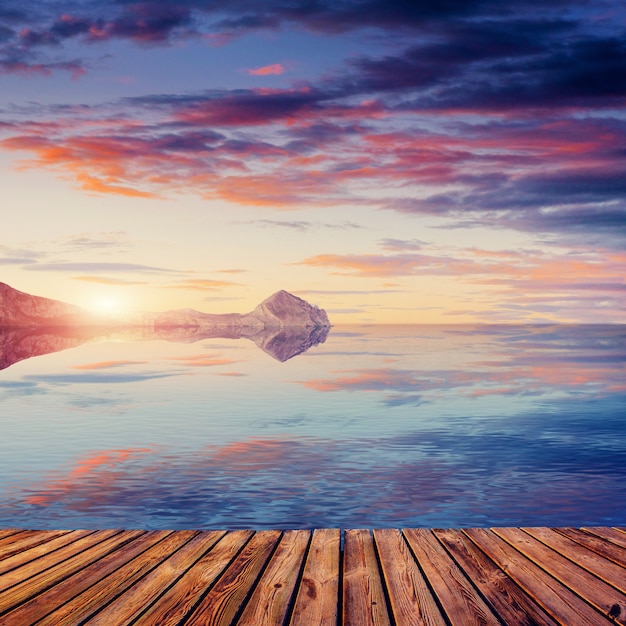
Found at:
[280, 310]
[21, 309]
[283, 326]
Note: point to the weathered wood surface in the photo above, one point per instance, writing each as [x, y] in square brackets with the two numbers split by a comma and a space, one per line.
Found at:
[527, 576]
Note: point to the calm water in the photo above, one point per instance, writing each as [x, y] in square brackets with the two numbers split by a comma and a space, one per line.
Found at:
[376, 427]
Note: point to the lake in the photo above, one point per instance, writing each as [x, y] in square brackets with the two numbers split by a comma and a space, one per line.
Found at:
[375, 426]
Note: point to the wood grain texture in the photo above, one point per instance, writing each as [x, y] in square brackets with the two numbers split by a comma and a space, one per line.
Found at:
[270, 600]
[413, 577]
[602, 546]
[463, 604]
[571, 575]
[317, 599]
[40, 550]
[180, 600]
[7, 532]
[226, 598]
[509, 602]
[589, 560]
[141, 595]
[20, 542]
[26, 581]
[616, 536]
[38, 607]
[412, 603]
[90, 601]
[364, 601]
[563, 605]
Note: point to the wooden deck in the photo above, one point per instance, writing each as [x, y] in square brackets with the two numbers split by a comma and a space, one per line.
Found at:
[313, 578]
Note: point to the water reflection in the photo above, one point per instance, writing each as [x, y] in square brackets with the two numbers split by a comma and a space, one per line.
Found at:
[376, 427]
[282, 344]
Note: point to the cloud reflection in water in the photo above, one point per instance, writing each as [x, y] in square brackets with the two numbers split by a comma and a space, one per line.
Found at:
[465, 427]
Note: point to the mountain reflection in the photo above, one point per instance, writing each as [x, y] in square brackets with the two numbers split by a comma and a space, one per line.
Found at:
[282, 344]
[381, 426]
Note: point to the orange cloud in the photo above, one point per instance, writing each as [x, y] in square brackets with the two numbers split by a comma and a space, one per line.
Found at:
[267, 70]
[92, 183]
[107, 364]
[108, 281]
[103, 469]
[202, 360]
[367, 380]
[484, 266]
[201, 284]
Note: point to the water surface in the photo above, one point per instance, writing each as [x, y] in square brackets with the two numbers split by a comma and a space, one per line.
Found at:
[380, 426]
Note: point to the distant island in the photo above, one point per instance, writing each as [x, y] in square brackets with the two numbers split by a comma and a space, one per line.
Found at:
[283, 325]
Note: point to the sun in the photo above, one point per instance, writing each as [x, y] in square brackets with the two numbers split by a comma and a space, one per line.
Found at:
[107, 306]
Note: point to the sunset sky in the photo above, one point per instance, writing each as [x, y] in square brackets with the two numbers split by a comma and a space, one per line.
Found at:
[396, 161]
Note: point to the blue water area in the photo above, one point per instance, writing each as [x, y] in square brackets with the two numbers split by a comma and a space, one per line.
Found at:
[377, 426]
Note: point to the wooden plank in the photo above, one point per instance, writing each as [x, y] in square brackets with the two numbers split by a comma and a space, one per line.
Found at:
[580, 581]
[509, 602]
[524, 576]
[411, 601]
[28, 539]
[363, 597]
[30, 579]
[64, 591]
[9, 535]
[461, 602]
[564, 606]
[604, 569]
[600, 546]
[123, 610]
[614, 535]
[317, 598]
[38, 551]
[7, 532]
[83, 606]
[179, 601]
[270, 599]
[224, 600]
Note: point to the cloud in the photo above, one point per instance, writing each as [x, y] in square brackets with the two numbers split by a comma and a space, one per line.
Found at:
[16, 260]
[99, 268]
[202, 284]
[395, 245]
[101, 280]
[89, 378]
[107, 365]
[203, 360]
[369, 264]
[434, 474]
[343, 292]
[29, 69]
[143, 23]
[303, 225]
[550, 175]
[21, 388]
[267, 70]
[527, 282]
[479, 115]
[300, 225]
[384, 379]
[96, 241]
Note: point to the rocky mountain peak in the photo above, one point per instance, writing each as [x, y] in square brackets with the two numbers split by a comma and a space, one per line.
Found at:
[22, 309]
[284, 309]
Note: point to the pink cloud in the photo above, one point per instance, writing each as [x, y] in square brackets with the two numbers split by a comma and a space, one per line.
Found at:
[267, 70]
[302, 146]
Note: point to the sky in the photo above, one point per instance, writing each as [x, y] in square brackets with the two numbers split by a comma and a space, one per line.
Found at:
[395, 161]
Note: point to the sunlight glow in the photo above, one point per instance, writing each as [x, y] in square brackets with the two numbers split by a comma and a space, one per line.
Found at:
[107, 306]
